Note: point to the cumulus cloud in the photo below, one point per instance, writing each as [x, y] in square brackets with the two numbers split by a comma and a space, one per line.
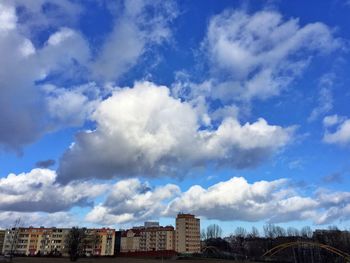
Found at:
[71, 106]
[269, 201]
[236, 199]
[145, 131]
[258, 55]
[37, 219]
[132, 201]
[39, 191]
[28, 111]
[142, 25]
[277, 201]
[340, 135]
[22, 111]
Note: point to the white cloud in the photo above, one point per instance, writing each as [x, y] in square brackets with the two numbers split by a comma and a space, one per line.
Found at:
[22, 113]
[145, 131]
[39, 191]
[258, 55]
[332, 120]
[8, 18]
[36, 196]
[236, 199]
[132, 201]
[269, 201]
[71, 107]
[36, 219]
[325, 97]
[341, 135]
[136, 31]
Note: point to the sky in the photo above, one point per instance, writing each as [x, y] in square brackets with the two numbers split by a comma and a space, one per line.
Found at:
[113, 113]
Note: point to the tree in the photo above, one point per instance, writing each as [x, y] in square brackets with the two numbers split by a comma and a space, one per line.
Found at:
[75, 242]
[12, 237]
[254, 232]
[203, 234]
[306, 232]
[269, 231]
[213, 231]
[292, 232]
[279, 231]
[92, 240]
[240, 232]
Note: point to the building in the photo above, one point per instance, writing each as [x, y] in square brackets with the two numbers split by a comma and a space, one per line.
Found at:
[151, 224]
[157, 238]
[2, 238]
[99, 242]
[130, 241]
[51, 241]
[187, 234]
[35, 241]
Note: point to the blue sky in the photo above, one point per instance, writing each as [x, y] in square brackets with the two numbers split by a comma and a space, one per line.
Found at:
[117, 112]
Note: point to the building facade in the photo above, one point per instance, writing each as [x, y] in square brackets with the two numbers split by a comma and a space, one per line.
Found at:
[51, 241]
[187, 234]
[148, 239]
[2, 239]
[130, 241]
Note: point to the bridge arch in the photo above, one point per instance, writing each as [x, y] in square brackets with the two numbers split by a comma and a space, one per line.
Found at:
[284, 246]
[211, 249]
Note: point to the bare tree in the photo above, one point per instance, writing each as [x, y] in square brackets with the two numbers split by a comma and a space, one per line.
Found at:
[75, 242]
[213, 231]
[269, 231]
[254, 232]
[92, 240]
[13, 236]
[203, 234]
[240, 232]
[306, 231]
[279, 231]
[292, 232]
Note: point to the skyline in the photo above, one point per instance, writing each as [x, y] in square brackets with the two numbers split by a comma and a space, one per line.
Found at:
[117, 112]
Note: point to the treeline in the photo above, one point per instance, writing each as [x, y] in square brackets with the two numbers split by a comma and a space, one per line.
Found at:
[243, 244]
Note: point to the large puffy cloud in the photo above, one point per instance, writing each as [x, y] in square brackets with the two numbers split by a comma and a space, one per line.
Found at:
[36, 195]
[236, 199]
[132, 201]
[27, 109]
[22, 111]
[58, 219]
[145, 131]
[258, 55]
[39, 191]
[139, 28]
[272, 201]
[340, 135]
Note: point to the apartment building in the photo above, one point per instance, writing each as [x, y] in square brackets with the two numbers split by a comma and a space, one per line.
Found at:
[99, 242]
[130, 241]
[51, 241]
[35, 241]
[148, 238]
[187, 234]
[2, 238]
